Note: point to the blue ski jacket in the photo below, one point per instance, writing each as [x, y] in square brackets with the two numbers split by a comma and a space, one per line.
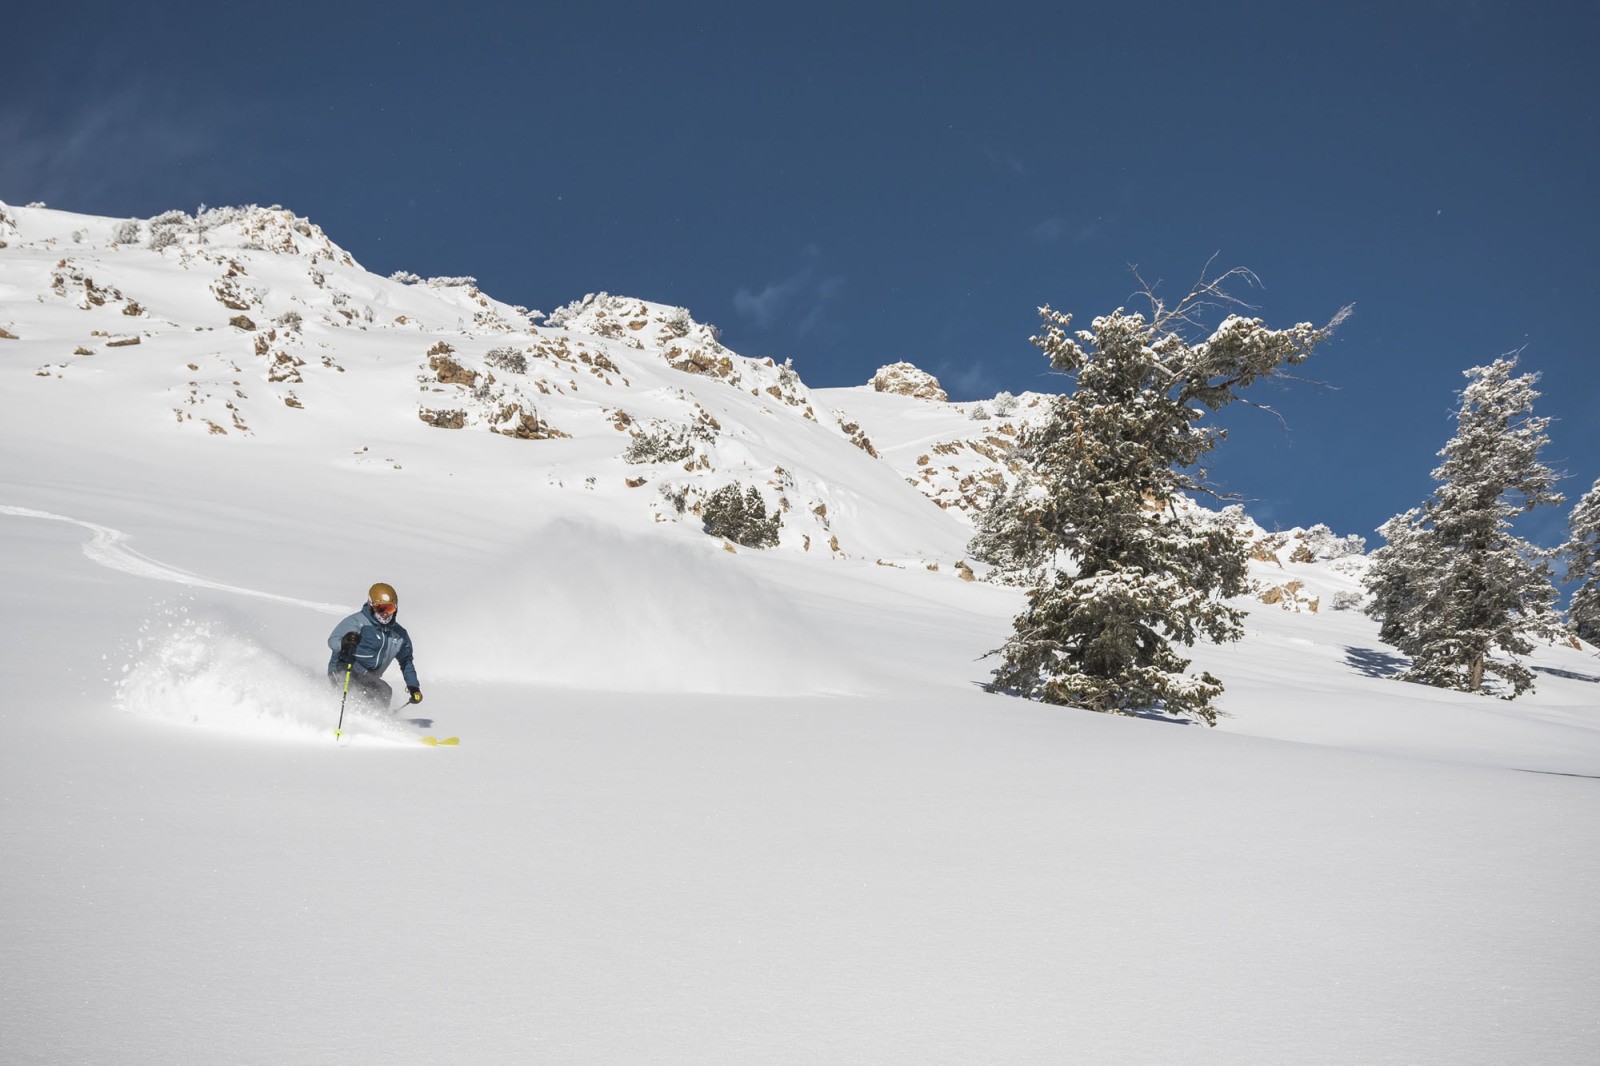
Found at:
[380, 645]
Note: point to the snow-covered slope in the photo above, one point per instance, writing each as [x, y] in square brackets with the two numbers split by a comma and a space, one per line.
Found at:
[251, 324]
[712, 804]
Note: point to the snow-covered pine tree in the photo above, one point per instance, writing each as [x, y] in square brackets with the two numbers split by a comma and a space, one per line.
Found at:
[1583, 566]
[1401, 574]
[1014, 534]
[1454, 583]
[740, 515]
[1114, 460]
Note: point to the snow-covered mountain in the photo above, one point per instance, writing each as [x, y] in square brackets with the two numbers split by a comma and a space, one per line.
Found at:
[712, 803]
[252, 323]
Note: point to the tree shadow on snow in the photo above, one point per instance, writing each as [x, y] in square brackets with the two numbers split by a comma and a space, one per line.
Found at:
[1571, 675]
[1556, 773]
[1375, 663]
[1156, 714]
[1149, 714]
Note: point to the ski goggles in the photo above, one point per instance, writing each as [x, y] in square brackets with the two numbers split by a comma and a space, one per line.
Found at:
[384, 610]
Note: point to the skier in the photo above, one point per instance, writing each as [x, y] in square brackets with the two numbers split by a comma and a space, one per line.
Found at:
[366, 643]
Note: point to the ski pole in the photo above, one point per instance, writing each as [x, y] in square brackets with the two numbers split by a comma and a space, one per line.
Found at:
[338, 731]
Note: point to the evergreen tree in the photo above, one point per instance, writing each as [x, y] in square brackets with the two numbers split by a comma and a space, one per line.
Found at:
[1454, 583]
[1113, 462]
[1400, 575]
[740, 515]
[1012, 533]
[1583, 565]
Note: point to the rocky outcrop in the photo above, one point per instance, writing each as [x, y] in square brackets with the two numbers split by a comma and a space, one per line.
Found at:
[1289, 597]
[904, 379]
[512, 421]
[448, 419]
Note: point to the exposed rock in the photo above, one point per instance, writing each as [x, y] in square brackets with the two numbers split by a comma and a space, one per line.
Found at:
[858, 437]
[1265, 550]
[512, 421]
[904, 379]
[242, 322]
[68, 278]
[1288, 597]
[698, 362]
[443, 419]
[229, 295]
[285, 367]
[451, 372]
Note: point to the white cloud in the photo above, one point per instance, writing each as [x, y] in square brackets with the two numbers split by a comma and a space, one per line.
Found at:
[768, 305]
[802, 297]
[78, 159]
[1056, 228]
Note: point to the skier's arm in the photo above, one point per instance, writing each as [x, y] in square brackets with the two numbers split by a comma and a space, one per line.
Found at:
[407, 669]
[342, 642]
[352, 624]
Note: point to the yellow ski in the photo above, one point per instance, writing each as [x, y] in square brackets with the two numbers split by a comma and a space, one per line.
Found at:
[437, 742]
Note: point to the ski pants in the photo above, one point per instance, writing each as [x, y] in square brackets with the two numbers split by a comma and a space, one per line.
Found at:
[366, 691]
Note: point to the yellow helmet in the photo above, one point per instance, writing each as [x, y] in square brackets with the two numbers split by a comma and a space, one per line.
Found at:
[381, 595]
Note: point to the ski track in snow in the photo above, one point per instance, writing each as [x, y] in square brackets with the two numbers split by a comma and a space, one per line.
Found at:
[196, 673]
[108, 548]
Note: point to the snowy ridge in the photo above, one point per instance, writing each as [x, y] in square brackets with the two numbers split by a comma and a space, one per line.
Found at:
[232, 318]
[253, 323]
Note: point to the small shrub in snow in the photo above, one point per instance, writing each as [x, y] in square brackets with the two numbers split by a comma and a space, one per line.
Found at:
[979, 413]
[1346, 601]
[167, 229]
[1322, 543]
[678, 322]
[212, 217]
[740, 515]
[1005, 404]
[405, 277]
[508, 359]
[126, 232]
[463, 282]
[666, 444]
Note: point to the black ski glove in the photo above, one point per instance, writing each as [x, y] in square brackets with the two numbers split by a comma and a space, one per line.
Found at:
[416, 694]
[347, 647]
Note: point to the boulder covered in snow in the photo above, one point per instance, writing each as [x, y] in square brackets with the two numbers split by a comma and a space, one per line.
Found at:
[905, 379]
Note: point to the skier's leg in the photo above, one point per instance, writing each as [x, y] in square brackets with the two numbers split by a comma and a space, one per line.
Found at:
[373, 693]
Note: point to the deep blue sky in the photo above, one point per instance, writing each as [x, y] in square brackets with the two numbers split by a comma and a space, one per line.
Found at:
[851, 184]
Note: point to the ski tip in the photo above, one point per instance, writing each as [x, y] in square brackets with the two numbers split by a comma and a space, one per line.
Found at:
[436, 742]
